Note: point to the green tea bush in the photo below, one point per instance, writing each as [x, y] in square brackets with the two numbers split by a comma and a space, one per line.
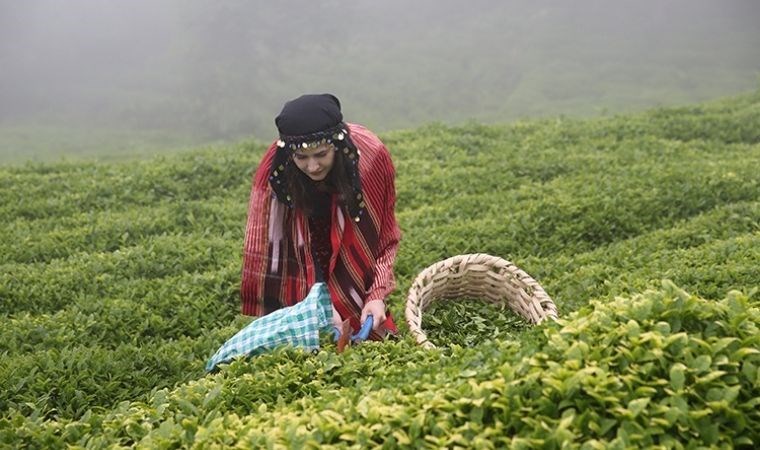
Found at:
[118, 281]
[657, 369]
[107, 232]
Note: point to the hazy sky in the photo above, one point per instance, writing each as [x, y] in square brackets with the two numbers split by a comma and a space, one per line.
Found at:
[224, 68]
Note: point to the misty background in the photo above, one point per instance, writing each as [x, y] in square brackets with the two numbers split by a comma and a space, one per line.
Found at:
[119, 79]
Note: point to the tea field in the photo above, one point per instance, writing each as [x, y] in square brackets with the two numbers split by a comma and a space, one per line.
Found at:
[118, 281]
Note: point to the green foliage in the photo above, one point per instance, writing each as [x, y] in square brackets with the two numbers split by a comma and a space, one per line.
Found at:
[117, 282]
[35, 142]
[659, 368]
[467, 322]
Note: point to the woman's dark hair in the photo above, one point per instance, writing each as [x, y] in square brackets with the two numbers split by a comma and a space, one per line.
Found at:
[303, 189]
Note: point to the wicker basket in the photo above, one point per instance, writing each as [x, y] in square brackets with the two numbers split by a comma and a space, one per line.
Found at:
[476, 276]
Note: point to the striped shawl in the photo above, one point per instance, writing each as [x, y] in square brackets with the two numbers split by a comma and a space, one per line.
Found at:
[278, 266]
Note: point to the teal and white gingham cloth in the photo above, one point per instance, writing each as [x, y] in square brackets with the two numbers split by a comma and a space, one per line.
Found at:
[298, 325]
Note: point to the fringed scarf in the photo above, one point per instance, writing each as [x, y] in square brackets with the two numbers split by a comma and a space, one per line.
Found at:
[278, 266]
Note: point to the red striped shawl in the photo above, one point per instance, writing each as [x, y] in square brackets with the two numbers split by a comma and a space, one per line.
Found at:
[277, 261]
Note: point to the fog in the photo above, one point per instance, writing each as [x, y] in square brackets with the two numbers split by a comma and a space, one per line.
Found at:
[210, 70]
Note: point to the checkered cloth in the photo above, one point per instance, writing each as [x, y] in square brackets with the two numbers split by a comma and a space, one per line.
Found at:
[298, 325]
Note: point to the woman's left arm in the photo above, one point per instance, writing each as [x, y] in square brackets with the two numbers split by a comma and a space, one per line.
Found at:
[389, 234]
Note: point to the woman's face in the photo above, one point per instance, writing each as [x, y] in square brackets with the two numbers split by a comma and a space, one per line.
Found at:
[315, 162]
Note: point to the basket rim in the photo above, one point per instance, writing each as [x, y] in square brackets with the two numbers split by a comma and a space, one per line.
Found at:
[532, 302]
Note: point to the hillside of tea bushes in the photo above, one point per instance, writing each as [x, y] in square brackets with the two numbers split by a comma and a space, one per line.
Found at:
[118, 281]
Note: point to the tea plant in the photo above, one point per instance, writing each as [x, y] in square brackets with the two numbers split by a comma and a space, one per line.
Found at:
[468, 322]
[118, 281]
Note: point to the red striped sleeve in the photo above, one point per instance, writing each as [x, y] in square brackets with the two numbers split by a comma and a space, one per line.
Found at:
[380, 185]
[255, 244]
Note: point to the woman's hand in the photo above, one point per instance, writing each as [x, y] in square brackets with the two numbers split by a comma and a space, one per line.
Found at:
[377, 309]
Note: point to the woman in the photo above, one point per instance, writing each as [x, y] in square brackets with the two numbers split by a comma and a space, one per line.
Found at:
[322, 209]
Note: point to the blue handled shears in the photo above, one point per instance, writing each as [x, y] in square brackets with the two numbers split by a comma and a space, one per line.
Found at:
[363, 333]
